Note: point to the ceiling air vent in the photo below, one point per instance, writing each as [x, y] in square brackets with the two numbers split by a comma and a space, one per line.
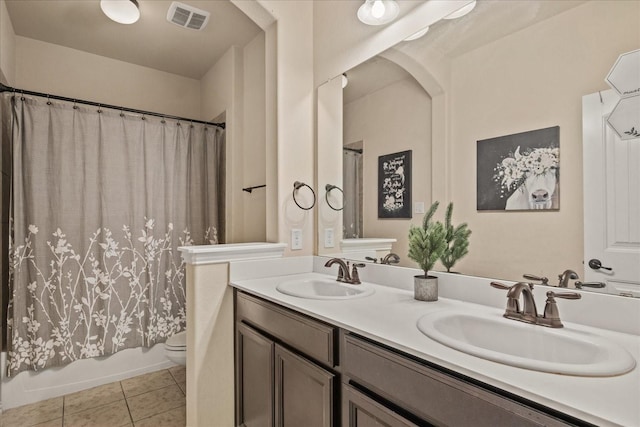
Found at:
[187, 16]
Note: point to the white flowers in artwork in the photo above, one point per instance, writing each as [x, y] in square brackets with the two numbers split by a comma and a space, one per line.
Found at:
[118, 294]
[511, 172]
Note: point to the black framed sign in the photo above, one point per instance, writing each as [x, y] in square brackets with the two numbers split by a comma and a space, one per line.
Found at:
[394, 185]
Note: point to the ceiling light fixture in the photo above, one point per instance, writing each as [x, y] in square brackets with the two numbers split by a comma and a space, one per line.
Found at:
[462, 11]
[417, 35]
[378, 12]
[121, 11]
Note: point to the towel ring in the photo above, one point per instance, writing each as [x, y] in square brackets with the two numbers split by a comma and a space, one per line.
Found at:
[328, 189]
[298, 185]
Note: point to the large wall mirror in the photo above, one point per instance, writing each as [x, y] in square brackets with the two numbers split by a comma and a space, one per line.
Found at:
[503, 69]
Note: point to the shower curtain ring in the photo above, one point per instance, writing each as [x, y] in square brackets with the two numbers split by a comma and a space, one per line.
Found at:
[121, 113]
[163, 121]
[22, 95]
[48, 100]
[75, 107]
[99, 108]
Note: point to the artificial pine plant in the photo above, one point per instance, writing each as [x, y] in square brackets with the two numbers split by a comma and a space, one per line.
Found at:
[457, 240]
[427, 243]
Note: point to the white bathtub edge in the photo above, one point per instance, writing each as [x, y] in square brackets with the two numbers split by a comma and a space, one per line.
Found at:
[29, 387]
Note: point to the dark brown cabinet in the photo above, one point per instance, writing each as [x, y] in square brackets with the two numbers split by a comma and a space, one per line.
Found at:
[304, 392]
[283, 367]
[254, 378]
[359, 410]
[430, 395]
[288, 374]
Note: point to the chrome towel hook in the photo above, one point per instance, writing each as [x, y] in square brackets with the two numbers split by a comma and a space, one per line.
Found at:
[328, 188]
[298, 185]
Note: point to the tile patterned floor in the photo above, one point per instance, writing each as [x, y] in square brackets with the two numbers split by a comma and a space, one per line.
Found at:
[156, 399]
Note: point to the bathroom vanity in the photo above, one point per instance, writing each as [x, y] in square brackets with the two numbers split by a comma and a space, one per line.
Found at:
[295, 370]
[361, 361]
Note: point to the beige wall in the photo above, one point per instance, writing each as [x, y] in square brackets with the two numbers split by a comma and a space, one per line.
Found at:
[291, 40]
[7, 47]
[235, 85]
[254, 155]
[46, 67]
[533, 79]
[330, 158]
[222, 93]
[395, 118]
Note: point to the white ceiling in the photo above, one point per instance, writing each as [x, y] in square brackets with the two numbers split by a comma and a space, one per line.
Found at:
[489, 21]
[151, 42]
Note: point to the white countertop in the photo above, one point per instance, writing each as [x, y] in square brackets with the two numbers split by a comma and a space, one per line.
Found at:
[390, 315]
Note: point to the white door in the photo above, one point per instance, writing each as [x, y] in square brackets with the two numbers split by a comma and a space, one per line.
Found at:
[611, 200]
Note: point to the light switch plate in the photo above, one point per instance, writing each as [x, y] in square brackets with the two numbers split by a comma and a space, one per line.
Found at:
[328, 238]
[296, 239]
[418, 207]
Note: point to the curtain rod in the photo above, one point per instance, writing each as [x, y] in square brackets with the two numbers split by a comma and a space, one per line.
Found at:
[4, 88]
[355, 150]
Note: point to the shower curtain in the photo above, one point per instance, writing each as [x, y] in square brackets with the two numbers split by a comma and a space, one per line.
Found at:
[352, 176]
[100, 201]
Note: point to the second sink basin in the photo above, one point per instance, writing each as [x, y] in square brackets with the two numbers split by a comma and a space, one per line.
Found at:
[323, 289]
[514, 343]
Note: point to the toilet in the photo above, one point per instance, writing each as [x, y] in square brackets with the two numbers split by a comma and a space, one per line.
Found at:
[175, 348]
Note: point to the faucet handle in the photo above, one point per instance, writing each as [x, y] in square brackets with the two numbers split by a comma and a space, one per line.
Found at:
[551, 316]
[542, 279]
[579, 284]
[355, 277]
[499, 285]
[502, 286]
[565, 295]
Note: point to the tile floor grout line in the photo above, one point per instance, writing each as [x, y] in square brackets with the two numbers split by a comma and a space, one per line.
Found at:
[126, 402]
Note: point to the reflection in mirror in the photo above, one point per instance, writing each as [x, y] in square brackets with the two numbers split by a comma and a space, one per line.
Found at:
[352, 167]
[385, 110]
[505, 68]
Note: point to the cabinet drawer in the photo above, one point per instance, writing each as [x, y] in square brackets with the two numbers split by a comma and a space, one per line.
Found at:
[432, 395]
[313, 338]
[359, 410]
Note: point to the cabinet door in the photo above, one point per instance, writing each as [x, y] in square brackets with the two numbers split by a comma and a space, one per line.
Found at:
[254, 381]
[358, 410]
[304, 392]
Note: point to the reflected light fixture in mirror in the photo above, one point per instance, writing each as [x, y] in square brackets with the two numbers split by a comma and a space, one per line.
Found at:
[417, 34]
[121, 11]
[378, 12]
[461, 12]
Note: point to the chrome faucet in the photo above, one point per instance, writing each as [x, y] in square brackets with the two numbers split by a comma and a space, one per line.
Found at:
[529, 312]
[343, 271]
[565, 277]
[390, 258]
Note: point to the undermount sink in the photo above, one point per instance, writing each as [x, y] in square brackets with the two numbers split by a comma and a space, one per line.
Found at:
[560, 351]
[323, 289]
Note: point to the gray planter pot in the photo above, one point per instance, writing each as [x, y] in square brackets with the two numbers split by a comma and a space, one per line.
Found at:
[425, 288]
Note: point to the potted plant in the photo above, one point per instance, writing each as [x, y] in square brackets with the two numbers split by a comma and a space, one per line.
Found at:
[457, 240]
[426, 246]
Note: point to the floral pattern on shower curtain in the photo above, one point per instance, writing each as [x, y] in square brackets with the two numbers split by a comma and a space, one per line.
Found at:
[100, 203]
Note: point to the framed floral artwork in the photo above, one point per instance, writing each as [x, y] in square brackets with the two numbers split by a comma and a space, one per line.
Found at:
[394, 185]
[519, 172]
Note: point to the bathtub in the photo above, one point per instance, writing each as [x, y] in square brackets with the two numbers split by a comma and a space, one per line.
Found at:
[30, 387]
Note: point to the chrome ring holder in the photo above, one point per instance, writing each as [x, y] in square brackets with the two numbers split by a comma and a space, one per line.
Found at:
[298, 185]
[329, 188]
